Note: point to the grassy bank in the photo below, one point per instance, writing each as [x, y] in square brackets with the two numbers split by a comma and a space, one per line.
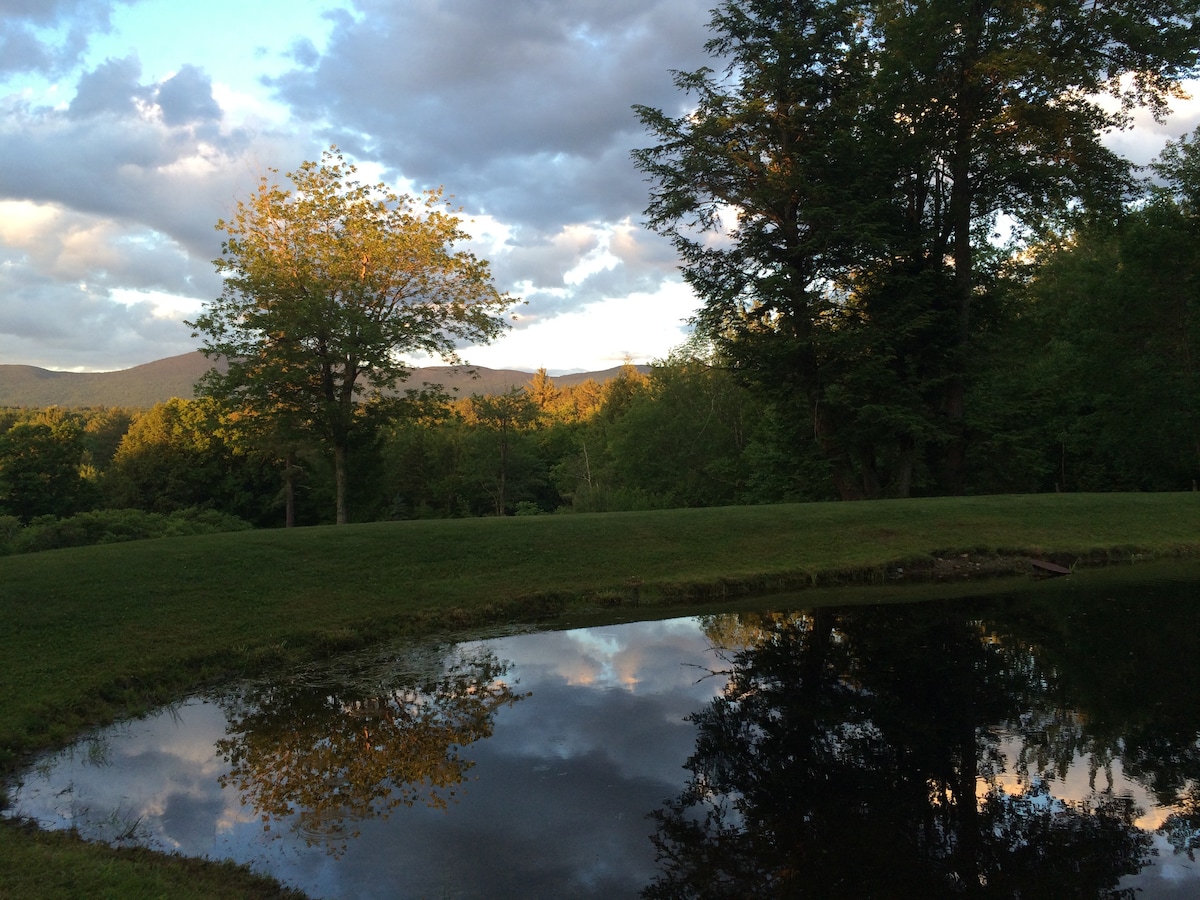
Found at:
[96, 632]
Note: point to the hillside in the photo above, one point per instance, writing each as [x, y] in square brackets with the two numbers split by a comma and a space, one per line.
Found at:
[143, 386]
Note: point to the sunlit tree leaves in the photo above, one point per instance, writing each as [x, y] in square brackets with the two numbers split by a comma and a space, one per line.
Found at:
[327, 284]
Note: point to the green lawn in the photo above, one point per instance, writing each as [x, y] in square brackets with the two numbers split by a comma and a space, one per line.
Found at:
[96, 632]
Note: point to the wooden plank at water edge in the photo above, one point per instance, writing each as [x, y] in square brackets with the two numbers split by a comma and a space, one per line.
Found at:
[1049, 568]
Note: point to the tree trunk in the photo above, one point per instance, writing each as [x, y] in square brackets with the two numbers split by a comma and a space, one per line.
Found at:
[900, 483]
[961, 202]
[339, 479]
[502, 481]
[289, 490]
[967, 853]
[841, 468]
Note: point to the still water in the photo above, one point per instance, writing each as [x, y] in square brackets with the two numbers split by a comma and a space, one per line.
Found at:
[1040, 740]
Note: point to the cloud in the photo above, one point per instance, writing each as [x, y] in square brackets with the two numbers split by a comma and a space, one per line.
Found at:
[83, 323]
[521, 107]
[110, 89]
[1145, 139]
[48, 36]
[522, 110]
[108, 204]
[187, 98]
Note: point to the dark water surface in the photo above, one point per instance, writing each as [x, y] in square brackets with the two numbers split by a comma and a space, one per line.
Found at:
[1041, 740]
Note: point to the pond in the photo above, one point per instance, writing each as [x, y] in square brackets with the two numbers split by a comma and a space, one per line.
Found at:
[1032, 738]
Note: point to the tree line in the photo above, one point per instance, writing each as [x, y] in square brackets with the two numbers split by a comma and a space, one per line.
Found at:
[1084, 378]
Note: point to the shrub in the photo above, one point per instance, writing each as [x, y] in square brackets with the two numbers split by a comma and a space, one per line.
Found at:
[109, 526]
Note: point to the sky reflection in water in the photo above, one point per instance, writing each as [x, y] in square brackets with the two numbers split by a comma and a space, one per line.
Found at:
[834, 738]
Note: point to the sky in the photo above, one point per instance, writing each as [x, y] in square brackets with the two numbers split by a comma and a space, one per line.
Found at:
[129, 127]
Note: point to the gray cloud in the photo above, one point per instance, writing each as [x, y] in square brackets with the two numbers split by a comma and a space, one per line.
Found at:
[110, 200]
[120, 164]
[187, 98]
[522, 108]
[32, 39]
[110, 89]
[83, 324]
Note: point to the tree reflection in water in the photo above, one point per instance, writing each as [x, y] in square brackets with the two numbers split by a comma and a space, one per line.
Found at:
[865, 752]
[330, 756]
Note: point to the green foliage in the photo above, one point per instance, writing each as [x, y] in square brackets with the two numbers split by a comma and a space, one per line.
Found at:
[502, 452]
[40, 469]
[862, 151]
[681, 439]
[102, 433]
[424, 469]
[179, 455]
[110, 526]
[326, 285]
[1113, 333]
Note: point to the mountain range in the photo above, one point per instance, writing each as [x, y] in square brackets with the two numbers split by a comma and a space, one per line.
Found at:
[143, 386]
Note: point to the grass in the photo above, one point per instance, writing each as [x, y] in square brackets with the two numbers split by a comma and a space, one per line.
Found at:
[93, 633]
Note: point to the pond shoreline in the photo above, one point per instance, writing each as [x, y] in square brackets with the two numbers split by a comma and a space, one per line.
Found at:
[100, 633]
[1009, 660]
[219, 878]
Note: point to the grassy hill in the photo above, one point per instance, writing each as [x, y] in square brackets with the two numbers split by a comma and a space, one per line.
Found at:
[143, 386]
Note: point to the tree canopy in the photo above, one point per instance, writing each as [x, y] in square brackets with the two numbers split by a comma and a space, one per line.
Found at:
[834, 191]
[327, 285]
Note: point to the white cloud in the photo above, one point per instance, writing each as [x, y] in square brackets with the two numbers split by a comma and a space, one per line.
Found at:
[642, 327]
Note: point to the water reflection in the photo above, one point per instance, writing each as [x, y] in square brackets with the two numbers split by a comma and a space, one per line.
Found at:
[857, 752]
[1045, 744]
[325, 757]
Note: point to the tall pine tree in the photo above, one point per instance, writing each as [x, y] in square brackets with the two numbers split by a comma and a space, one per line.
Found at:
[834, 189]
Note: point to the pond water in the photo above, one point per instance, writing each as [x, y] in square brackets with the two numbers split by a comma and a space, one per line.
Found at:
[1038, 740]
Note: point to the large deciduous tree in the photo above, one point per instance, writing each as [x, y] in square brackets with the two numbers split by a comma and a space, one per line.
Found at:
[327, 285]
[834, 189]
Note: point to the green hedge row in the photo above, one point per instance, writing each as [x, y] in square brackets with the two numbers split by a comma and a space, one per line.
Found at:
[109, 526]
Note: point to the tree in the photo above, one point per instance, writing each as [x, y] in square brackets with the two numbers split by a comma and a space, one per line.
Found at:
[327, 285]
[1117, 319]
[176, 455]
[502, 420]
[865, 150]
[334, 756]
[832, 741]
[40, 469]
[542, 391]
[682, 438]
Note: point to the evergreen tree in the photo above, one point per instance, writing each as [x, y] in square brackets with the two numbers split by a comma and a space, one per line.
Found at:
[833, 194]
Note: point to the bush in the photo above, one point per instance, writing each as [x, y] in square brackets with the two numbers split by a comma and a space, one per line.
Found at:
[109, 526]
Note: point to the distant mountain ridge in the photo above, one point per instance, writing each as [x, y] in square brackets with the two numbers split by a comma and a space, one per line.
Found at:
[143, 386]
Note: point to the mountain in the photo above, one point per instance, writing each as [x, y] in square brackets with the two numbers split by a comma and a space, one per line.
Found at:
[143, 386]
